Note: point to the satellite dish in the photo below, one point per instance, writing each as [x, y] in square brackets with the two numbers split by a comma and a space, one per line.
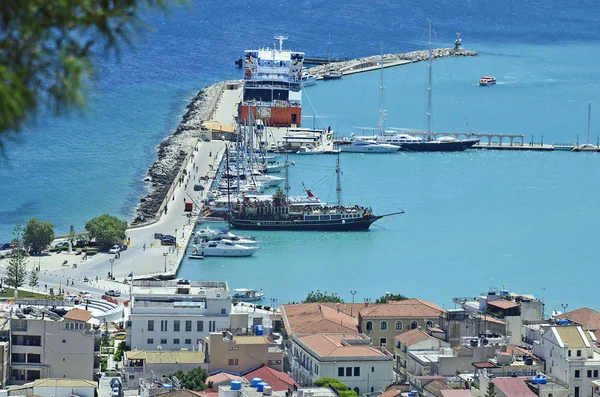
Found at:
[159, 347]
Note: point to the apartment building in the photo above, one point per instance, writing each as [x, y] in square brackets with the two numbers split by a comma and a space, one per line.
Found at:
[175, 315]
[44, 344]
[233, 353]
[347, 357]
[571, 357]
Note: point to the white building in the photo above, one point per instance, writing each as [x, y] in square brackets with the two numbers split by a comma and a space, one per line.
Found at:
[347, 357]
[46, 345]
[570, 357]
[175, 315]
[55, 388]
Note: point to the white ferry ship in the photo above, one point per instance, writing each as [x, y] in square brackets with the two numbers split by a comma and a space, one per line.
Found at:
[272, 86]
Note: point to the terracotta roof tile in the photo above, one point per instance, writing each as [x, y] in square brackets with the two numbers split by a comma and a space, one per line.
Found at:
[390, 393]
[350, 309]
[409, 308]
[314, 318]
[503, 304]
[223, 377]
[513, 387]
[279, 381]
[435, 387]
[79, 315]
[456, 393]
[585, 317]
[331, 346]
[490, 319]
[413, 336]
[510, 349]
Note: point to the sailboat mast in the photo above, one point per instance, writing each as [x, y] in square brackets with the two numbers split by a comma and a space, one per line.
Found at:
[381, 123]
[287, 175]
[429, 67]
[338, 187]
[228, 185]
[589, 122]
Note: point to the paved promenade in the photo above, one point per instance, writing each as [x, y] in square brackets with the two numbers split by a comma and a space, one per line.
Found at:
[154, 259]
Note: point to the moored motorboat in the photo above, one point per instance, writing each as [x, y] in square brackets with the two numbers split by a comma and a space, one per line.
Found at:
[246, 295]
[487, 81]
[224, 248]
[308, 79]
[208, 234]
[332, 74]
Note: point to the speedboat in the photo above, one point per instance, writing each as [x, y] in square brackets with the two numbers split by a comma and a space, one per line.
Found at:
[226, 248]
[247, 295]
[487, 81]
[308, 150]
[308, 79]
[364, 146]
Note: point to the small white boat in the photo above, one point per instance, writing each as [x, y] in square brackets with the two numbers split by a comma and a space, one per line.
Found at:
[308, 79]
[224, 234]
[246, 295]
[364, 146]
[195, 255]
[309, 150]
[225, 248]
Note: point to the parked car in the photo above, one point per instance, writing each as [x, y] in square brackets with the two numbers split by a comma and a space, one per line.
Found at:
[123, 247]
[113, 293]
[62, 244]
[85, 295]
[115, 249]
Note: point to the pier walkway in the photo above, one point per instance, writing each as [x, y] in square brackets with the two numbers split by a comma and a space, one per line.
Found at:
[153, 259]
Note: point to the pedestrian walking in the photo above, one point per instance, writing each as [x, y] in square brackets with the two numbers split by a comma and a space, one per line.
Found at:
[144, 246]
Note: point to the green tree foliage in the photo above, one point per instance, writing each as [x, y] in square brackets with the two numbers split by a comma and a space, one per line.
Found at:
[38, 235]
[342, 389]
[46, 50]
[106, 230]
[491, 390]
[16, 272]
[121, 348]
[392, 297]
[318, 296]
[192, 380]
[34, 279]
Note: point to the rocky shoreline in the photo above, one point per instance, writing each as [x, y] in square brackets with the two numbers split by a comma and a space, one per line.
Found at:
[414, 56]
[172, 152]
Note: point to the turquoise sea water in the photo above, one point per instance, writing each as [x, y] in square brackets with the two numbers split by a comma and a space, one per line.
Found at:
[526, 220]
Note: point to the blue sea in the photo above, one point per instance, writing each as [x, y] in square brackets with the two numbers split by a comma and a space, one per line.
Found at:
[474, 220]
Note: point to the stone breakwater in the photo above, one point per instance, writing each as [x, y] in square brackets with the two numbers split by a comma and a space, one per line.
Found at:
[173, 151]
[414, 56]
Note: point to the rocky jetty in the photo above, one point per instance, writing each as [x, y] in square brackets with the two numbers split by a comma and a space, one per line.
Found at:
[172, 152]
[373, 60]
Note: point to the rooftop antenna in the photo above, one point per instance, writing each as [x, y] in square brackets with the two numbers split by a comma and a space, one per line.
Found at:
[280, 38]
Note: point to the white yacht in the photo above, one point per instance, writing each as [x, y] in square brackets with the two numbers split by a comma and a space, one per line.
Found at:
[397, 138]
[224, 234]
[364, 146]
[308, 79]
[225, 248]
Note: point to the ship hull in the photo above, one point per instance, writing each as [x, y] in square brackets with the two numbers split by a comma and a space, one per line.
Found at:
[272, 116]
[435, 146]
[347, 225]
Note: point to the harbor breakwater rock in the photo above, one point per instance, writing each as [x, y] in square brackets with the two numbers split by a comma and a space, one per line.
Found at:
[172, 152]
[374, 60]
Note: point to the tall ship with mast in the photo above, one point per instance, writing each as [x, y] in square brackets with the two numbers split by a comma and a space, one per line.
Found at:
[272, 86]
[281, 213]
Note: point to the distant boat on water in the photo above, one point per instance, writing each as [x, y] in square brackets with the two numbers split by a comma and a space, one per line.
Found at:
[487, 81]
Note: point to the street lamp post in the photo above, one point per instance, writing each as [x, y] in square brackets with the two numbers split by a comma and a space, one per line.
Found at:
[165, 255]
[112, 261]
[353, 293]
